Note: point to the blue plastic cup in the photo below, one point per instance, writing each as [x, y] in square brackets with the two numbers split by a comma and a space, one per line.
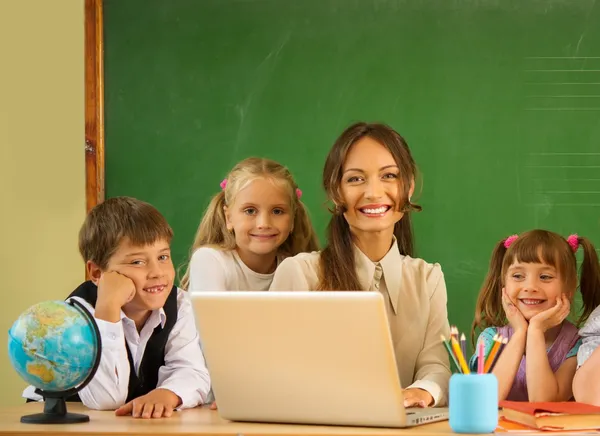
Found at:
[473, 402]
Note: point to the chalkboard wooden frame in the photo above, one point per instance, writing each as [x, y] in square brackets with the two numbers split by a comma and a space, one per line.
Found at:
[94, 104]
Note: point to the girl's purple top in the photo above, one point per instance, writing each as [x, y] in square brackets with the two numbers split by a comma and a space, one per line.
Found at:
[565, 346]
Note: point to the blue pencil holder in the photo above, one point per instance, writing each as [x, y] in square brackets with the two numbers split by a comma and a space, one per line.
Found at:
[473, 402]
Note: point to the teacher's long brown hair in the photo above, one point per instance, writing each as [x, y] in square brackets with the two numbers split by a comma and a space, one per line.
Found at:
[337, 265]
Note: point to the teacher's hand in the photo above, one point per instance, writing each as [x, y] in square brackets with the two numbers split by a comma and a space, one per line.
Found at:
[415, 397]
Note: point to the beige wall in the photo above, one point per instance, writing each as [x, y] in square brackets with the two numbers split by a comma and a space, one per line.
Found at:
[42, 185]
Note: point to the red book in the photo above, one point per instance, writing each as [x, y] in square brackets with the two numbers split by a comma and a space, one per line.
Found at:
[566, 415]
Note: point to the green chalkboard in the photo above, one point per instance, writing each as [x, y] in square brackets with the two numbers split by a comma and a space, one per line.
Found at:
[498, 99]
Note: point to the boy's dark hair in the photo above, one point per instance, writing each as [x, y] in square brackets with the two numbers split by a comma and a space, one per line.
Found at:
[116, 218]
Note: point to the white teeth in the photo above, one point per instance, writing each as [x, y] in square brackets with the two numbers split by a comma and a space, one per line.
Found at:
[154, 289]
[382, 209]
[532, 302]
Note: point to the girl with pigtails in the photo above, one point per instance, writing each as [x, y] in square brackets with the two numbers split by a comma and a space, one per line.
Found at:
[526, 297]
[255, 221]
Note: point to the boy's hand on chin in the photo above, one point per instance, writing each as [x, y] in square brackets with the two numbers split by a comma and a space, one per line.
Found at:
[114, 291]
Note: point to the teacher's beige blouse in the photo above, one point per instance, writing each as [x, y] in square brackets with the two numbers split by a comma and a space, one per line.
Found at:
[415, 296]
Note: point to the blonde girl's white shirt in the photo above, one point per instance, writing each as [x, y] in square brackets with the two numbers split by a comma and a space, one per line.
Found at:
[415, 297]
[212, 269]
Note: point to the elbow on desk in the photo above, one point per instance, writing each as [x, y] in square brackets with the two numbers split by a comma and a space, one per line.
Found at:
[587, 396]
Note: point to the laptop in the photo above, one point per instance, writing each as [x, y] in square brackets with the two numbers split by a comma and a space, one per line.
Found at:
[323, 358]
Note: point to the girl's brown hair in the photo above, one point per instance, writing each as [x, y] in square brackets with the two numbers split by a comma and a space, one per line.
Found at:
[213, 227]
[537, 246]
[337, 265]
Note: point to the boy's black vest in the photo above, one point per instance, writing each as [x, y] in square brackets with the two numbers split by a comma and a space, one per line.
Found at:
[154, 354]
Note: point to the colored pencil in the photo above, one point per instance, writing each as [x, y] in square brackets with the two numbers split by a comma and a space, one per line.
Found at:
[459, 355]
[480, 357]
[493, 352]
[453, 333]
[463, 345]
[500, 349]
[451, 354]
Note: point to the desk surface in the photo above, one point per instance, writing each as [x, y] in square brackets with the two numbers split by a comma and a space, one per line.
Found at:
[199, 421]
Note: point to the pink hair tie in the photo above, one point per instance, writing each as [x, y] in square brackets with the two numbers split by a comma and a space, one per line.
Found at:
[508, 241]
[298, 193]
[573, 241]
[223, 184]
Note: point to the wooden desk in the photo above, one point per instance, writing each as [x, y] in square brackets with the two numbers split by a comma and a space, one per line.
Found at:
[199, 421]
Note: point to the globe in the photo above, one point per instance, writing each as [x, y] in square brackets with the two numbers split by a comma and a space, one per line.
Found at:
[55, 346]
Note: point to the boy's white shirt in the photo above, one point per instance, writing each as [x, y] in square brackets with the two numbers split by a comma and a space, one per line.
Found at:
[590, 334]
[212, 269]
[183, 373]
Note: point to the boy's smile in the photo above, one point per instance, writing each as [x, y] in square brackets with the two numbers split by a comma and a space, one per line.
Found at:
[155, 289]
[151, 270]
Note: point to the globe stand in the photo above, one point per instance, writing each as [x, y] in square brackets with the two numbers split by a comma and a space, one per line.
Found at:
[55, 412]
[55, 406]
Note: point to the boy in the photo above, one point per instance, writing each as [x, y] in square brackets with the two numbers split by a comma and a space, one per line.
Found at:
[151, 359]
